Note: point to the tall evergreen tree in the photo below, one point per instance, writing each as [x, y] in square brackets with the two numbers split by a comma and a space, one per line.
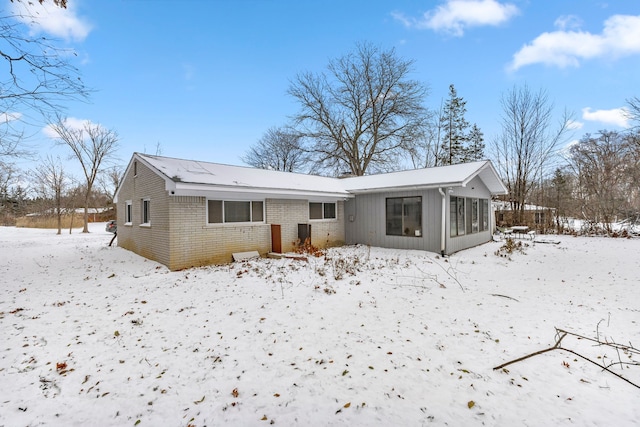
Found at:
[455, 128]
[475, 148]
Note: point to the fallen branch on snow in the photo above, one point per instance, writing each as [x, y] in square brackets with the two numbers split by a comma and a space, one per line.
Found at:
[561, 333]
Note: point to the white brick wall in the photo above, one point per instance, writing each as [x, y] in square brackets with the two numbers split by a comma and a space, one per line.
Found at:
[179, 236]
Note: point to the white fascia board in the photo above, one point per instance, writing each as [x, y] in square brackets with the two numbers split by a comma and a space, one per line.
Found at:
[246, 193]
[407, 188]
[488, 168]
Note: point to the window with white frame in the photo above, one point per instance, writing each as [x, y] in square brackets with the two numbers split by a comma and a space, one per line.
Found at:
[468, 215]
[128, 211]
[234, 211]
[319, 210]
[484, 214]
[456, 216]
[146, 212]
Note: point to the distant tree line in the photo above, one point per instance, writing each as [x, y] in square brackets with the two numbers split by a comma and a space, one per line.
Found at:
[599, 182]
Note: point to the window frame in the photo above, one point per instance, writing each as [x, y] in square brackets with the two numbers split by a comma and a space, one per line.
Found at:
[323, 211]
[400, 212]
[128, 212]
[222, 215]
[145, 212]
[470, 216]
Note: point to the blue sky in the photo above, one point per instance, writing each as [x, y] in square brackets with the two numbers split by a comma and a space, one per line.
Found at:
[205, 79]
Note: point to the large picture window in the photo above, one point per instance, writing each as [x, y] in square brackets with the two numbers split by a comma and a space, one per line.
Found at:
[404, 216]
[230, 211]
[468, 215]
[322, 210]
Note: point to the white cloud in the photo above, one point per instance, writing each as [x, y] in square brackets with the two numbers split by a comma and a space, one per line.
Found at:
[9, 117]
[574, 125]
[615, 116]
[53, 20]
[454, 16]
[620, 37]
[568, 21]
[70, 122]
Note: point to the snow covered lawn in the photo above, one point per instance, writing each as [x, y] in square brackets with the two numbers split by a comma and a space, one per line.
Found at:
[96, 335]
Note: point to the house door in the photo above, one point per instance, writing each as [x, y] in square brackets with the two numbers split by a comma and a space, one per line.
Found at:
[276, 239]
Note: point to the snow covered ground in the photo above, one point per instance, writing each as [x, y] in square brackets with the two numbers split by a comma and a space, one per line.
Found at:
[96, 335]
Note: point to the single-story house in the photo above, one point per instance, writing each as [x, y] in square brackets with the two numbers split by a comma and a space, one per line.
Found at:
[185, 213]
[535, 217]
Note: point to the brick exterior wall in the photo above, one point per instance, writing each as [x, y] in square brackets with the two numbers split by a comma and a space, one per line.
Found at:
[289, 213]
[195, 243]
[148, 241]
[179, 237]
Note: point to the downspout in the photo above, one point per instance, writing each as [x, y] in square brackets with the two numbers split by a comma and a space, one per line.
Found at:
[444, 222]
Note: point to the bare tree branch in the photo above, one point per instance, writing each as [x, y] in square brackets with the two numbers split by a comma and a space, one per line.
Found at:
[38, 78]
[91, 146]
[364, 114]
[527, 143]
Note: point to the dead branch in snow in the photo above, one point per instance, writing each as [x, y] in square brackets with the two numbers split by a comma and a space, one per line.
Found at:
[504, 296]
[450, 271]
[561, 333]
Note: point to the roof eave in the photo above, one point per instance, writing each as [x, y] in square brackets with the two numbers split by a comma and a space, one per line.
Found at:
[406, 188]
[205, 190]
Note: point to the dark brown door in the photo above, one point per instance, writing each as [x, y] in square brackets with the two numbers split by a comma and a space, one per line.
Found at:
[276, 239]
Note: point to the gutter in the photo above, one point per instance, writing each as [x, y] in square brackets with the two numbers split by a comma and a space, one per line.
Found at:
[444, 222]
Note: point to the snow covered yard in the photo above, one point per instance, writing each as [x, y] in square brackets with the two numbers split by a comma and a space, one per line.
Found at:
[96, 335]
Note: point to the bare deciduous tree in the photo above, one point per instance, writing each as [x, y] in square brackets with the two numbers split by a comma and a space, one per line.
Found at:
[38, 77]
[633, 110]
[428, 148]
[364, 115]
[51, 183]
[59, 3]
[110, 181]
[527, 142]
[92, 146]
[606, 172]
[279, 149]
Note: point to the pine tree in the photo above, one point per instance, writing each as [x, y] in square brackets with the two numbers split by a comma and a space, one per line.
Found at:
[475, 149]
[455, 129]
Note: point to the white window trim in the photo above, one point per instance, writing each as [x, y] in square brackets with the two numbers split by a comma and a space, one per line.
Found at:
[128, 210]
[468, 208]
[148, 223]
[233, 224]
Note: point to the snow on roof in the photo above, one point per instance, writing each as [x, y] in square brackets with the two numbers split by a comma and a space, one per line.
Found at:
[184, 172]
[442, 176]
[190, 175]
